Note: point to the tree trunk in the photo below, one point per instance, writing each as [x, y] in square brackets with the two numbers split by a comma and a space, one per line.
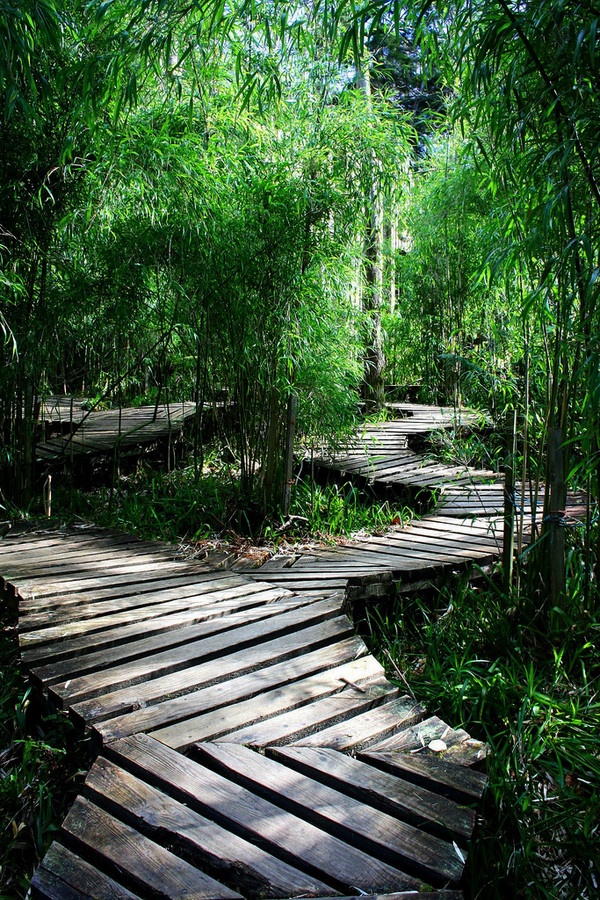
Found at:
[374, 360]
[553, 532]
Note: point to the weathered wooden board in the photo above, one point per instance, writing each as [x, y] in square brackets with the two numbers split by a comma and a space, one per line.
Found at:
[64, 875]
[383, 835]
[41, 647]
[417, 804]
[251, 816]
[167, 710]
[369, 727]
[179, 586]
[224, 854]
[216, 604]
[175, 685]
[107, 581]
[180, 635]
[203, 592]
[313, 717]
[188, 656]
[154, 868]
[465, 785]
[341, 684]
[418, 737]
[102, 431]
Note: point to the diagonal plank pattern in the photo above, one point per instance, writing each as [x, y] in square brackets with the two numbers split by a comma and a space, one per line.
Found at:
[250, 746]
[101, 431]
[428, 546]
[381, 453]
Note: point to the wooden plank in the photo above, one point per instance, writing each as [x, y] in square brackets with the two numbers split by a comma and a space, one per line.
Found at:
[83, 578]
[382, 790]
[62, 875]
[300, 722]
[103, 430]
[368, 727]
[360, 677]
[167, 661]
[101, 568]
[463, 533]
[152, 867]
[223, 855]
[426, 533]
[88, 549]
[197, 702]
[457, 782]
[381, 835]
[110, 582]
[309, 581]
[251, 593]
[179, 635]
[39, 647]
[240, 810]
[214, 670]
[206, 591]
[392, 556]
[180, 585]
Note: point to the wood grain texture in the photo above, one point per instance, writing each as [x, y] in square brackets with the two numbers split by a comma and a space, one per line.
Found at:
[251, 816]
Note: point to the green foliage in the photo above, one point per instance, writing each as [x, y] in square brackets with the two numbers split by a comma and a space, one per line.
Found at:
[344, 509]
[470, 449]
[38, 764]
[473, 656]
[178, 506]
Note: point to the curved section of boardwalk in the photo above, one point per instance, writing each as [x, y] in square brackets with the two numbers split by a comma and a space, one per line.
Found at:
[250, 746]
[423, 550]
[103, 431]
[380, 453]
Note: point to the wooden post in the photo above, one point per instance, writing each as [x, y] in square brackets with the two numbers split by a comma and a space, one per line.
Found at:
[47, 496]
[508, 544]
[289, 451]
[553, 521]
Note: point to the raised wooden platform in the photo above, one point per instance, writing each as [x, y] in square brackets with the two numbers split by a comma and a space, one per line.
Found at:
[250, 744]
[428, 547]
[102, 431]
[380, 453]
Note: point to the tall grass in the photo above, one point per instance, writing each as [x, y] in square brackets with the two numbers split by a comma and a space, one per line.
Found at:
[344, 509]
[180, 506]
[474, 657]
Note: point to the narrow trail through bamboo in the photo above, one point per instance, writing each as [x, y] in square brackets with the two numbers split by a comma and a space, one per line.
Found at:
[249, 745]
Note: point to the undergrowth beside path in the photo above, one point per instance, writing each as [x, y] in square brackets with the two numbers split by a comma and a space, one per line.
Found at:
[479, 662]
[42, 766]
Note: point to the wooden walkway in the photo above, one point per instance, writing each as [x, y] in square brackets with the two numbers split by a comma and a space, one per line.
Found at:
[429, 547]
[102, 431]
[250, 746]
[381, 453]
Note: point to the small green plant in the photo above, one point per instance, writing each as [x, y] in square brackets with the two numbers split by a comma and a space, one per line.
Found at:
[468, 449]
[158, 505]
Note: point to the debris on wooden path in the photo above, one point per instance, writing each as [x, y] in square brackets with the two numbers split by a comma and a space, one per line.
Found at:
[426, 548]
[250, 745]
